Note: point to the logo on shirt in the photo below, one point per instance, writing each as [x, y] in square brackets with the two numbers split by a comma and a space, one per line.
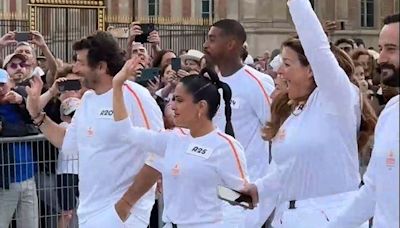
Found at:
[235, 103]
[199, 151]
[390, 160]
[90, 132]
[176, 170]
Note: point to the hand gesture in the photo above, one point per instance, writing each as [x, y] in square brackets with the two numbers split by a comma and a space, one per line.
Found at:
[154, 38]
[154, 85]
[8, 39]
[33, 100]
[13, 97]
[128, 71]
[38, 39]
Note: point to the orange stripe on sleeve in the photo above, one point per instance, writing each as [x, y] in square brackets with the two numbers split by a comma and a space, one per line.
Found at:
[260, 85]
[234, 151]
[139, 102]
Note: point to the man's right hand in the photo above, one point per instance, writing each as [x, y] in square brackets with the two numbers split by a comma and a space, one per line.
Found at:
[8, 39]
[33, 100]
[135, 30]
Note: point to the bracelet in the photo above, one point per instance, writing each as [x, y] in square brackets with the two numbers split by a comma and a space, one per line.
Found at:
[34, 118]
[127, 202]
[39, 123]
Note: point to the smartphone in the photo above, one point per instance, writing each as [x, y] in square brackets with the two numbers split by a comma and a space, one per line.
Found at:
[147, 75]
[69, 85]
[23, 36]
[234, 197]
[176, 64]
[147, 29]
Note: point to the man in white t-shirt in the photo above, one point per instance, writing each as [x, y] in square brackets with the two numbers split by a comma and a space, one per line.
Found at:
[379, 197]
[250, 106]
[107, 165]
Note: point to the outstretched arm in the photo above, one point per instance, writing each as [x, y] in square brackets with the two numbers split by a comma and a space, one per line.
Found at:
[330, 78]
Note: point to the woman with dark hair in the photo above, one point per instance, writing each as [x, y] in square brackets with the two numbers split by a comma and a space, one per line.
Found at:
[315, 169]
[163, 58]
[194, 162]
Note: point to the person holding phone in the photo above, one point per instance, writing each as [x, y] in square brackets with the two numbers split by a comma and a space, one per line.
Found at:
[152, 36]
[192, 163]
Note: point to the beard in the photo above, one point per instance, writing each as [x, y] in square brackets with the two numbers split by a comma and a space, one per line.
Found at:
[389, 75]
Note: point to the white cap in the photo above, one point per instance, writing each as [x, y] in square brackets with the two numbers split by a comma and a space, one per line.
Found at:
[276, 63]
[8, 58]
[3, 76]
[192, 55]
[69, 105]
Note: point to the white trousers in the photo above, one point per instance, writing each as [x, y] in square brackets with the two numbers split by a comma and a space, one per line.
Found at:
[109, 218]
[233, 216]
[312, 213]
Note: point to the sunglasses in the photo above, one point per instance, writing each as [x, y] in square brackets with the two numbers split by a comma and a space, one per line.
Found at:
[346, 49]
[21, 64]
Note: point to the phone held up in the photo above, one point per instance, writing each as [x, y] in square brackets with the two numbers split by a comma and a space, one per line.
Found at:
[176, 64]
[147, 75]
[69, 85]
[147, 29]
[23, 36]
[234, 197]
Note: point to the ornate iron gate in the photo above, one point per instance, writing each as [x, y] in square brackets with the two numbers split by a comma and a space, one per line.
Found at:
[64, 21]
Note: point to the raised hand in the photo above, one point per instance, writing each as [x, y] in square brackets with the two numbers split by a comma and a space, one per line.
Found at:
[33, 100]
[8, 39]
[128, 71]
[154, 38]
[135, 29]
[37, 39]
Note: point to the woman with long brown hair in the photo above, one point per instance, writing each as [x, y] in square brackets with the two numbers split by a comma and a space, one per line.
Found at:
[313, 129]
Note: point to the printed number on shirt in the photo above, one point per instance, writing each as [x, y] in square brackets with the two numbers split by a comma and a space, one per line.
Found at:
[199, 151]
[105, 113]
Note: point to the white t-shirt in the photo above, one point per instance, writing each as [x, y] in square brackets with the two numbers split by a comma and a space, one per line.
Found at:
[192, 168]
[250, 111]
[108, 165]
[379, 197]
[315, 151]
[67, 161]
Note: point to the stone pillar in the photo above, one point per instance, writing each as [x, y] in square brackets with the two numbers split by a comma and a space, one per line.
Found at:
[186, 8]
[248, 10]
[176, 8]
[232, 9]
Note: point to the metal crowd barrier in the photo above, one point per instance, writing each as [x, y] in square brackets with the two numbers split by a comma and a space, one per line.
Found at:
[31, 191]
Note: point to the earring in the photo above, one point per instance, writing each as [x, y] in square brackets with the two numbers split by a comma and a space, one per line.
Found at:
[199, 115]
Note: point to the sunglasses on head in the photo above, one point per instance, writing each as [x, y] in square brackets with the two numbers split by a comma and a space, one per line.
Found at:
[21, 64]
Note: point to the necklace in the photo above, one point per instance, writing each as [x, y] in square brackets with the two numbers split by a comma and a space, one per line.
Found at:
[298, 109]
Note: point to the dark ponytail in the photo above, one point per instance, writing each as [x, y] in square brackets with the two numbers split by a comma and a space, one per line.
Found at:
[226, 95]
